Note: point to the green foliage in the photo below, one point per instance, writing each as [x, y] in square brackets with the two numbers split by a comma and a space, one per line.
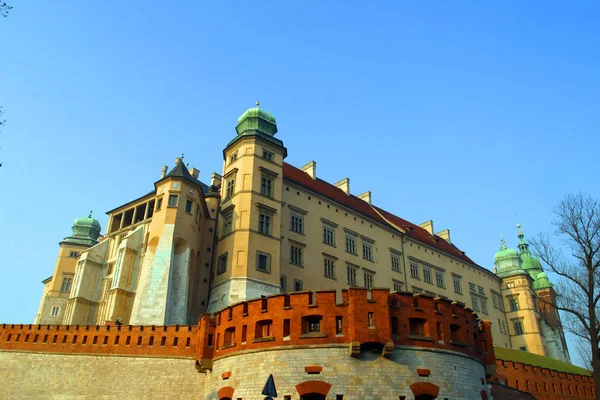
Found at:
[4, 9]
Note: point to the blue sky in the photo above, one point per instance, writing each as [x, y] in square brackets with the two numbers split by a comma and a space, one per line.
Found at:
[467, 113]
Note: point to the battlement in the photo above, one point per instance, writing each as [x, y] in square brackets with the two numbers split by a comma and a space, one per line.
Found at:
[156, 341]
[375, 319]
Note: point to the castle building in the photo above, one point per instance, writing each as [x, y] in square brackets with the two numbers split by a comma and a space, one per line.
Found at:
[264, 227]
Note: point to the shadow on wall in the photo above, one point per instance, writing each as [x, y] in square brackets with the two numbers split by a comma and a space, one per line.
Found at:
[502, 392]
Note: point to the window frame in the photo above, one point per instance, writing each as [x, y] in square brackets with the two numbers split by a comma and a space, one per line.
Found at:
[329, 229]
[267, 257]
[414, 270]
[222, 265]
[329, 267]
[297, 223]
[173, 196]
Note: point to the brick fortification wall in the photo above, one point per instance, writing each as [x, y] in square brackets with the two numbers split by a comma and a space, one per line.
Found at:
[544, 383]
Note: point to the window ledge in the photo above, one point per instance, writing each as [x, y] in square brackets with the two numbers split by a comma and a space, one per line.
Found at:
[459, 344]
[226, 346]
[418, 309]
[419, 337]
[264, 339]
[312, 335]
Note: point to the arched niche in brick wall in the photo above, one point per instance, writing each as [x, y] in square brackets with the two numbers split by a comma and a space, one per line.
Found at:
[225, 393]
[312, 387]
[425, 390]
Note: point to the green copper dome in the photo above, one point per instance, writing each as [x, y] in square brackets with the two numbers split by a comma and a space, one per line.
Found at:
[507, 262]
[505, 253]
[86, 230]
[257, 112]
[542, 281]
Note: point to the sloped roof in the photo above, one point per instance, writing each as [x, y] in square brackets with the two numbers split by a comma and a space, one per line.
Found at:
[328, 190]
[506, 354]
[181, 171]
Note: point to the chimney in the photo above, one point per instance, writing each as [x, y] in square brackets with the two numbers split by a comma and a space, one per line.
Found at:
[311, 169]
[163, 171]
[344, 184]
[445, 234]
[366, 196]
[194, 172]
[215, 179]
[177, 160]
[428, 226]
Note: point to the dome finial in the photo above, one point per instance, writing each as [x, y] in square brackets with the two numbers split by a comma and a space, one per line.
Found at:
[257, 103]
[181, 156]
[90, 215]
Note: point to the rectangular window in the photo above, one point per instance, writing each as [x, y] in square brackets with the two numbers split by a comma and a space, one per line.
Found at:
[264, 224]
[351, 276]
[173, 200]
[472, 287]
[55, 311]
[480, 290]
[267, 155]
[397, 286]
[457, 285]
[475, 301]
[266, 186]
[298, 285]
[500, 326]
[158, 204]
[495, 300]
[513, 303]
[518, 325]
[329, 266]
[283, 283]
[263, 262]
[396, 263]
[66, 285]
[296, 255]
[230, 188]
[328, 236]
[350, 244]
[232, 158]
[484, 308]
[222, 264]
[427, 275]
[369, 280]
[297, 224]
[74, 254]
[227, 224]
[439, 279]
[338, 325]
[188, 206]
[414, 271]
[367, 251]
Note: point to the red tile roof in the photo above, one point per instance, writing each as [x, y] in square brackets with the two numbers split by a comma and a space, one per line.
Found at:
[325, 189]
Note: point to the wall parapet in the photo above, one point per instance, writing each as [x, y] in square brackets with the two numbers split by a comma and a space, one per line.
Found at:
[157, 341]
[376, 320]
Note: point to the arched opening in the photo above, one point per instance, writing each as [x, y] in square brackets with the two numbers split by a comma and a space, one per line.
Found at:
[312, 396]
[425, 390]
[424, 397]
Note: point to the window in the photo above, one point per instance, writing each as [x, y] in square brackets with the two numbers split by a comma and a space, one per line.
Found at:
[266, 186]
[457, 286]
[475, 302]
[495, 300]
[66, 285]
[311, 324]
[283, 283]
[227, 224]
[222, 264]
[173, 200]
[513, 303]
[427, 275]
[417, 327]
[504, 326]
[484, 308]
[500, 326]
[367, 251]
[396, 263]
[232, 158]
[264, 224]
[472, 287]
[350, 244]
[298, 285]
[230, 188]
[414, 270]
[296, 255]
[338, 325]
[480, 290]
[158, 204]
[188, 206]
[297, 224]
[74, 254]
[369, 280]
[109, 268]
[351, 276]
[55, 311]
[397, 286]
[263, 262]
[329, 266]
[267, 155]
[518, 326]
[328, 236]
[439, 279]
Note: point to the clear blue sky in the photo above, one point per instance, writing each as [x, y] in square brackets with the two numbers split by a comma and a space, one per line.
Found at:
[467, 113]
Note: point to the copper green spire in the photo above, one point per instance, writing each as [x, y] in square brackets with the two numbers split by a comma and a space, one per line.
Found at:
[523, 245]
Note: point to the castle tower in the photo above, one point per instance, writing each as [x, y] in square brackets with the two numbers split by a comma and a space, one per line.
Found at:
[247, 257]
[86, 231]
[180, 240]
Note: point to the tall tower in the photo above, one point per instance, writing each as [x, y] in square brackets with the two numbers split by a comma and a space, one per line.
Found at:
[247, 257]
[86, 231]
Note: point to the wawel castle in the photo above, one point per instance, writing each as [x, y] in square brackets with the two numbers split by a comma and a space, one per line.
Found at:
[188, 249]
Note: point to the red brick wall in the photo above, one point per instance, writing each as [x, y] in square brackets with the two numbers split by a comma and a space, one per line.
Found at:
[165, 341]
[543, 383]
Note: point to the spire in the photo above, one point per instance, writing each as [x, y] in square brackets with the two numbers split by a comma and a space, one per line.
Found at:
[503, 247]
[523, 245]
[90, 214]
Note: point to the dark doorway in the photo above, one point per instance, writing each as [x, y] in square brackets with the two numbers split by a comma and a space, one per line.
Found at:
[424, 397]
[313, 396]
